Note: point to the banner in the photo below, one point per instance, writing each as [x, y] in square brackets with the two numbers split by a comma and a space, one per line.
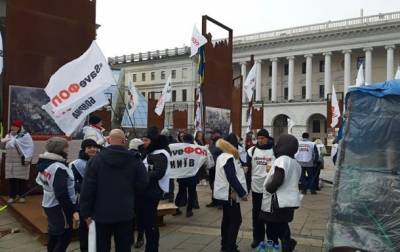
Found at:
[69, 119]
[1, 54]
[79, 78]
[335, 109]
[360, 76]
[196, 41]
[133, 98]
[186, 159]
[166, 96]
[250, 83]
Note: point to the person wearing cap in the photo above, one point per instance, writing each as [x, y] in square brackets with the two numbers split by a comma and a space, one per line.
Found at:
[112, 178]
[19, 151]
[259, 161]
[95, 130]
[157, 160]
[59, 195]
[229, 188]
[89, 149]
[281, 195]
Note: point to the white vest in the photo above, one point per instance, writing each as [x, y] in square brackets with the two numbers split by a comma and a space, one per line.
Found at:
[261, 163]
[46, 180]
[164, 181]
[288, 193]
[221, 184]
[305, 153]
[80, 165]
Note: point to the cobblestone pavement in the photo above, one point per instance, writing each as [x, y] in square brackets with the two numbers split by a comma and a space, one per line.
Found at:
[201, 232]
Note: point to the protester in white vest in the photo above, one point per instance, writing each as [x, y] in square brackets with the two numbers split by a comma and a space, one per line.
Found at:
[307, 156]
[95, 130]
[281, 194]
[229, 188]
[59, 196]
[89, 148]
[157, 162]
[19, 148]
[259, 162]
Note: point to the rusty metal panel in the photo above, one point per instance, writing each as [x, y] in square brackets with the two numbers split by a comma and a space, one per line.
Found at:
[180, 119]
[152, 118]
[257, 118]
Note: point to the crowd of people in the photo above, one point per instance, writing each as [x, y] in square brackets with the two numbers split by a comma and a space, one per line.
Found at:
[117, 185]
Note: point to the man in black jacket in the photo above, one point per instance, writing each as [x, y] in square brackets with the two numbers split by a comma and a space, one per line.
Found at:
[107, 195]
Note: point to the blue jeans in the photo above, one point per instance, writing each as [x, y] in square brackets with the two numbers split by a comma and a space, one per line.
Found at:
[308, 178]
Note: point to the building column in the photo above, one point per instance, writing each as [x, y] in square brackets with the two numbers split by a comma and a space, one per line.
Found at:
[274, 80]
[347, 70]
[258, 80]
[327, 74]
[291, 78]
[368, 65]
[308, 76]
[244, 74]
[389, 62]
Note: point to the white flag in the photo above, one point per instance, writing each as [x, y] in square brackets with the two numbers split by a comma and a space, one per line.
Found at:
[71, 117]
[291, 124]
[360, 77]
[230, 129]
[166, 96]
[196, 42]
[133, 98]
[250, 83]
[248, 129]
[335, 109]
[1, 54]
[397, 76]
[79, 78]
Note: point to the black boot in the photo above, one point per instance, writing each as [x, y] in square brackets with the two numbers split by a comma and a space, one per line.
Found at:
[140, 240]
[288, 245]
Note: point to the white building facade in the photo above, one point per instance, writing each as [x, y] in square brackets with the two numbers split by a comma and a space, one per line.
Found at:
[297, 68]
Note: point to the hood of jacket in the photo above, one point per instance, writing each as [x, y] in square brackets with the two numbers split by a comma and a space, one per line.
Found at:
[47, 158]
[161, 143]
[226, 147]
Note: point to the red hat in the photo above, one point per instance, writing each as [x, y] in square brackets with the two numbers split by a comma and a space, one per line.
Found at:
[17, 123]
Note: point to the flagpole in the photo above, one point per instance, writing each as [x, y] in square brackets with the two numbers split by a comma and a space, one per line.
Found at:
[126, 109]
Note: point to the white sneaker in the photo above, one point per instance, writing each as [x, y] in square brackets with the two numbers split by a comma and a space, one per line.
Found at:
[10, 200]
[21, 200]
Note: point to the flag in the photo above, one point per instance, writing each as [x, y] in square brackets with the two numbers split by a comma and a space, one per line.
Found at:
[202, 64]
[291, 124]
[78, 79]
[198, 118]
[166, 96]
[360, 77]
[250, 83]
[69, 119]
[1, 54]
[230, 129]
[133, 98]
[397, 76]
[196, 41]
[335, 109]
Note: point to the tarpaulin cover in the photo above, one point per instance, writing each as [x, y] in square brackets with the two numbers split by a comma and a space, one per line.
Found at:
[365, 210]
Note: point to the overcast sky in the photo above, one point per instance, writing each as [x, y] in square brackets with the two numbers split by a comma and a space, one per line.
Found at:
[133, 26]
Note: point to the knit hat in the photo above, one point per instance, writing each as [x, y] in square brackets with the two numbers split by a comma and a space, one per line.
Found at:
[263, 132]
[93, 119]
[17, 123]
[152, 133]
[135, 143]
[287, 145]
[56, 145]
[89, 143]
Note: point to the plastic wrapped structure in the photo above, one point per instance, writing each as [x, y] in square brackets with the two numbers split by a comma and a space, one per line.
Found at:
[365, 213]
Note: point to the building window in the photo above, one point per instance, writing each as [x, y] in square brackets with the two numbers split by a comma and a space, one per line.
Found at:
[143, 76]
[134, 77]
[173, 74]
[316, 126]
[162, 75]
[322, 66]
[303, 92]
[286, 69]
[184, 95]
[153, 75]
[321, 91]
[360, 60]
[286, 93]
[270, 71]
[303, 68]
[270, 94]
[184, 73]
[174, 95]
